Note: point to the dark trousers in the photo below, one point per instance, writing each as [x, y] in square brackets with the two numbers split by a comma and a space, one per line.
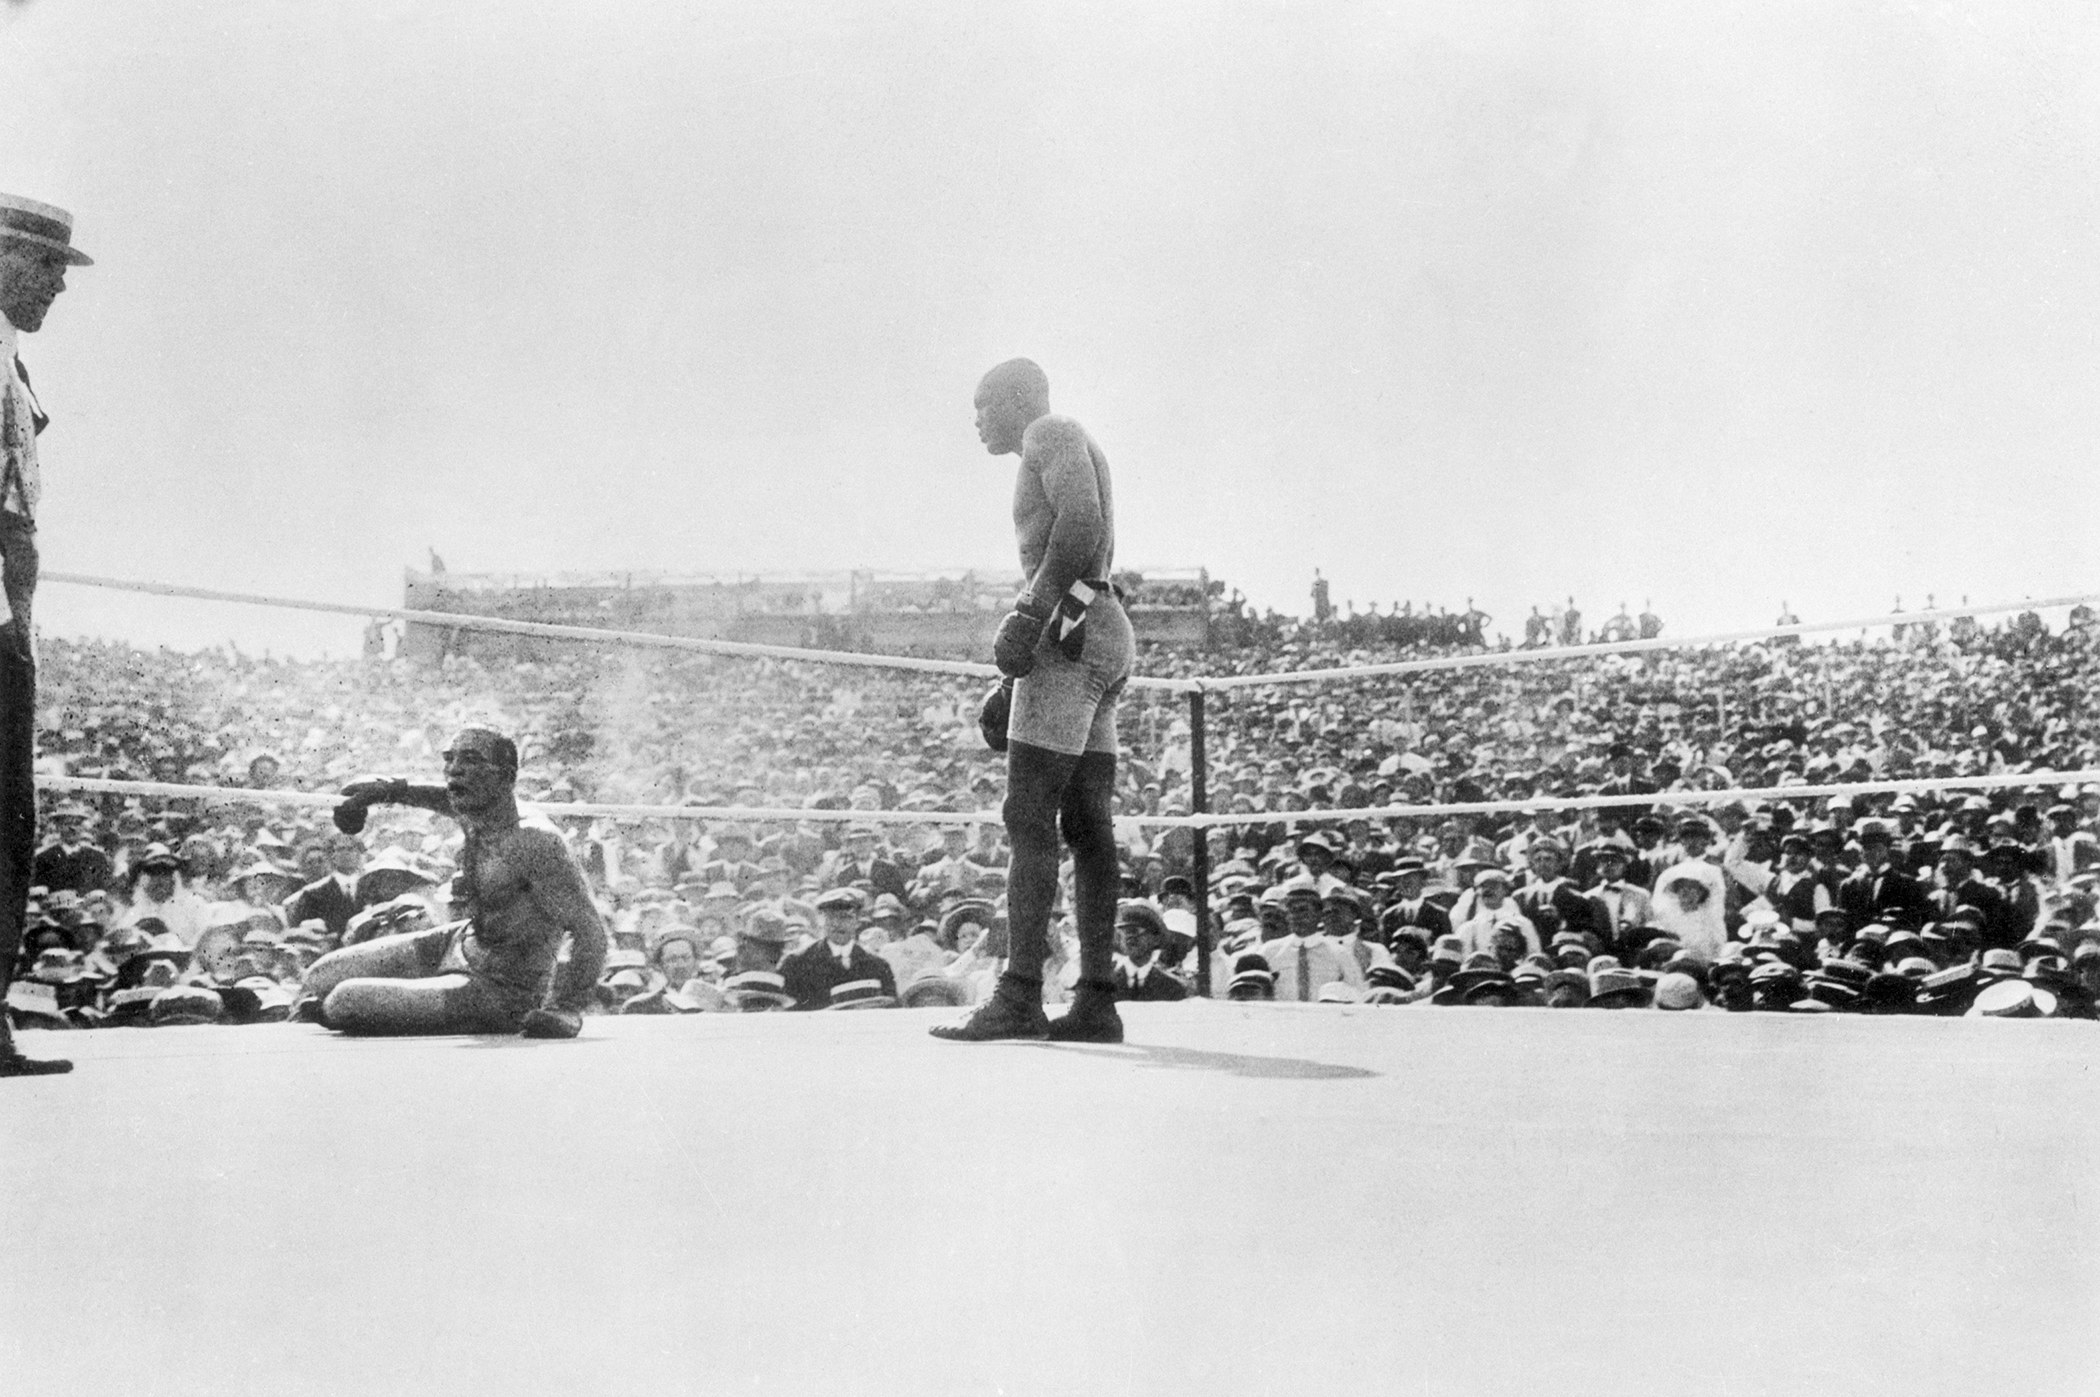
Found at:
[18, 562]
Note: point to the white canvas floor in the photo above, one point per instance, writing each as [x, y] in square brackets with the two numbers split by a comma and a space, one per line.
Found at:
[1243, 1199]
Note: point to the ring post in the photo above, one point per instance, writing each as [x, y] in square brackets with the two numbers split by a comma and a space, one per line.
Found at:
[1198, 804]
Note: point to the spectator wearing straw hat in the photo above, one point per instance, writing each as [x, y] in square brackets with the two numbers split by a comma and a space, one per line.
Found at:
[920, 952]
[733, 860]
[1141, 972]
[71, 862]
[1626, 906]
[2069, 849]
[1878, 892]
[949, 869]
[1411, 905]
[1691, 897]
[161, 889]
[36, 248]
[1494, 912]
[836, 959]
[1305, 958]
[2005, 867]
[1549, 899]
[862, 864]
[1962, 888]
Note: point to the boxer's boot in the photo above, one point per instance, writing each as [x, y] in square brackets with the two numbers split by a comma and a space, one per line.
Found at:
[1092, 1017]
[1015, 1010]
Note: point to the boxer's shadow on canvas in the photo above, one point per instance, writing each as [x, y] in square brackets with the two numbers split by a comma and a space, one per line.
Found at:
[1197, 1059]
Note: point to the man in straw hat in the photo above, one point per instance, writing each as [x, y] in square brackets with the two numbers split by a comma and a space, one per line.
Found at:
[36, 247]
[1066, 651]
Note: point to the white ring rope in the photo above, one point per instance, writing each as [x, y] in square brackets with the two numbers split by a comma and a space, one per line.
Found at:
[1208, 684]
[755, 814]
[1761, 794]
[1624, 647]
[1287, 818]
[465, 621]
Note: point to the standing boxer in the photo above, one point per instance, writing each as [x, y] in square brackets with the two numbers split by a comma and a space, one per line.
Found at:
[1066, 652]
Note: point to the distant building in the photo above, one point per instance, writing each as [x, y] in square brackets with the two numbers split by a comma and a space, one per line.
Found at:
[950, 614]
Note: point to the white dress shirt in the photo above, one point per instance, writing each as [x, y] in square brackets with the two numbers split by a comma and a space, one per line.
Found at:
[18, 414]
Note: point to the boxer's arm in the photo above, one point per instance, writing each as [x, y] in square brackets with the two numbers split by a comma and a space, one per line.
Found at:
[556, 887]
[367, 791]
[1056, 450]
[431, 798]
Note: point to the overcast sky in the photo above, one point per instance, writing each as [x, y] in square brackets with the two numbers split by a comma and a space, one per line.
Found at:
[1714, 305]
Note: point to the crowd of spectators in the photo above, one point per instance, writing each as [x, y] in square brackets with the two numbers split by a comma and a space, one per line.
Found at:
[183, 910]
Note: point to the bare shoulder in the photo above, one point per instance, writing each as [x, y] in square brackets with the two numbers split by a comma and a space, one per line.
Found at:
[537, 842]
[1053, 436]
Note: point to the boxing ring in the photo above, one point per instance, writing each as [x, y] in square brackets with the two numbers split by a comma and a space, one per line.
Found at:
[1257, 1198]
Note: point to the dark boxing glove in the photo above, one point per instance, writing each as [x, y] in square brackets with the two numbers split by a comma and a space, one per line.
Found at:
[361, 795]
[993, 713]
[1019, 633]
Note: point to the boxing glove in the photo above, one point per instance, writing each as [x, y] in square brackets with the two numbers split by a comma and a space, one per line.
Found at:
[361, 795]
[1014, 649]
[993, 713]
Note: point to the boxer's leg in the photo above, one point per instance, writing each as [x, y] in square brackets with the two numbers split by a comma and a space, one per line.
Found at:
[455, 1003]
[409, 956]
[1089, 831]
[1088, 818]
[413, 955]
[1060, 768]
[1035, 784]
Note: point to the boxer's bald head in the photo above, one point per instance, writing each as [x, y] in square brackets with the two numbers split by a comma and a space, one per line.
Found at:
[481, 767]
[492, 745]
[1010, 397]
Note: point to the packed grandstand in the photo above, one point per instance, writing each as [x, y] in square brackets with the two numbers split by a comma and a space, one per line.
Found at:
[184, 910]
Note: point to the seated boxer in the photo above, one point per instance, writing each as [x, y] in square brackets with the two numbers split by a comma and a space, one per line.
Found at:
[522, 895]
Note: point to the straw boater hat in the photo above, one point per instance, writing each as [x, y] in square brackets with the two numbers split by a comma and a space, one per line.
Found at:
[934, 988]
[860, 994]
[41, 226]
[756, 990]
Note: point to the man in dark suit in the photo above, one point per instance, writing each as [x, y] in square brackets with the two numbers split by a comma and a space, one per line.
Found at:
[1587, 868]
[1878, 891]
[1960, 887]
[1626, 779]
[811, 973]
[1140, 971]
[71, 863]
[1409, 907]
[332, 898]
[1552, 901]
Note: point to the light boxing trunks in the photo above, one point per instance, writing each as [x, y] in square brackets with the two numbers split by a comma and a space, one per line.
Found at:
[1068, 704]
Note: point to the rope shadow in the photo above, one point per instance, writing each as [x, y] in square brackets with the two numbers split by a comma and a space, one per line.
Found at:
[1201, 1060]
